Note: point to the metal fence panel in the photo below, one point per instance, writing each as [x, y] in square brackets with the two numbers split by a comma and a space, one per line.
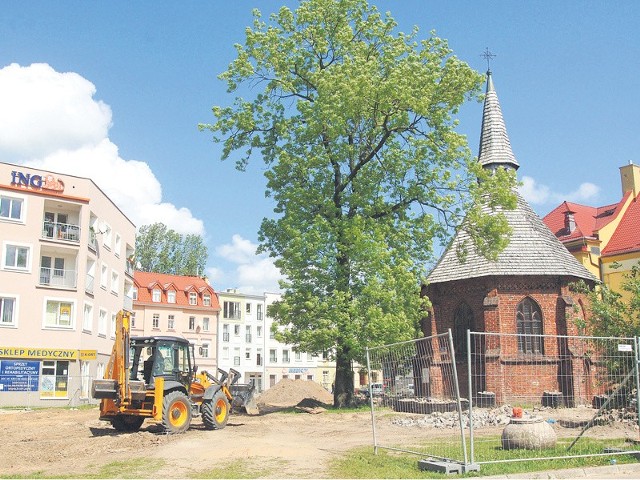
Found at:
[413, 391]
[568, 390]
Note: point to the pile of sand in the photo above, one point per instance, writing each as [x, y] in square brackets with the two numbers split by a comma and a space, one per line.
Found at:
[289, 393]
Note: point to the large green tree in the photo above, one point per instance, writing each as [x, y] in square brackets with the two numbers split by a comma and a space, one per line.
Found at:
[354, 123]
[162, 250]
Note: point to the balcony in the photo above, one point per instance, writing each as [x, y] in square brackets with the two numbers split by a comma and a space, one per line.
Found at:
[65, 232]
[56, 277]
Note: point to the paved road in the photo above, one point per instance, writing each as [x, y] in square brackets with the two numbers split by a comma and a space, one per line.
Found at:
[630, 470]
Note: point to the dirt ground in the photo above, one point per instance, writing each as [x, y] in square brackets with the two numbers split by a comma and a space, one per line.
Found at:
[276, 444]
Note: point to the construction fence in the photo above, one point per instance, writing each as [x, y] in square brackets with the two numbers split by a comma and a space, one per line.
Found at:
[506, 397]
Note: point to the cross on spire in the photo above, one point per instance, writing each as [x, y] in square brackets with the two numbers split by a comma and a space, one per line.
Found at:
[488, 56]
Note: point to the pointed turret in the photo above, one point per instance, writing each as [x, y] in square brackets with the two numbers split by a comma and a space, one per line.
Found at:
[495, 147]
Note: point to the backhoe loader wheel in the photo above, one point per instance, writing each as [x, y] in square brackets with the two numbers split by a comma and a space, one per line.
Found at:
[215, 412]
[127, 423]
[176, 412]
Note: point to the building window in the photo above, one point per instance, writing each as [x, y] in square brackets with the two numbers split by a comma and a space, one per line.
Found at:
[54, 382]
[192, 323]
[529, 324]
[155, 323]
[16, 257]
[247, 354]
[273, 356]
[114, 317]
[236, 356]
[7, 312]
[135, 293]
[232, 310]
[133, 319]
[87, 320]
[225, 332]
[285, 356]
[102, 323]
[248, 307]
[259, 331]
[236, 330]
[259, 358]
[11, 208]
[206, 300]
[204, 352]
[103, 276]
[59, 314]
[462, 321]
[171, 322]
[205, 324]
[259, 311]
[117, 245]
[193, 298]
[171, 296]
[298, 356]
[156, 295]
[106, 236]
[248, 334]
[225, 353]
[309, 357]
[115, 282]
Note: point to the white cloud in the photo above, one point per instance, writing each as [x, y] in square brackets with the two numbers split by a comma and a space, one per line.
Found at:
[539, 194]
[252, 274]
[50, 120]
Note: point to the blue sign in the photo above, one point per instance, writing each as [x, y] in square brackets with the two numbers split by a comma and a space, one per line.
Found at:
[19, 376]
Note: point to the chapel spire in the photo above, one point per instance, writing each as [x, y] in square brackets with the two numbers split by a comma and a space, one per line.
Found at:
[495, 147]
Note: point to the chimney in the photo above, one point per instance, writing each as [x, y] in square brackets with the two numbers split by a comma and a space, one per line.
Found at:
[569, 221]
[630, 178]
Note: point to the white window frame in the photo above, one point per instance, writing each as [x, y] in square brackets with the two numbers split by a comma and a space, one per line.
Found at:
[23, 207]
[273, 355]
[102, 322]
[117, 245]
[206, 299]
[114, 318]
[205, 350]
[17, 245]
[135, 293]
[171, 322]
[115, 282]
[192, 323]
[87, 323]
[225, 353]
[193, 298]
[159, 295]
[171, 296]
[205, 324]
[104, 276]
[155, 321]
[106, 236]
[58, 326]
[14, 316]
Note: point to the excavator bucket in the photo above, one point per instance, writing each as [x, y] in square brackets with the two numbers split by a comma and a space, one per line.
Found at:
[243, 397]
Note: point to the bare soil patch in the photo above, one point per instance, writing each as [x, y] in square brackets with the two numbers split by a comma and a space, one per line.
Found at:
[277, 445]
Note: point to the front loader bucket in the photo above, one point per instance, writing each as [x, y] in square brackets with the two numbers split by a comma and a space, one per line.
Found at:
[243, 396]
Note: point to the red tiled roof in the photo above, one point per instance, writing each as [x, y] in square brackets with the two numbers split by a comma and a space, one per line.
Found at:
[146, 281]
[626, 238]
[589, 220]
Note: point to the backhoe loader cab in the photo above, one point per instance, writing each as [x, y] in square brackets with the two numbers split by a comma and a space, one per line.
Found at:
[155, 377]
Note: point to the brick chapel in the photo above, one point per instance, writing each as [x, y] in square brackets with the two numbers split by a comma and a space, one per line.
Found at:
[524, 295]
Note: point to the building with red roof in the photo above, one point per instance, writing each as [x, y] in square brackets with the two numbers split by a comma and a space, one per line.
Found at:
[606, 240]
[181, 306]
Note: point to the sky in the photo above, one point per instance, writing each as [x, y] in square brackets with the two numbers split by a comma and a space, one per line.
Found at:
[115, 90]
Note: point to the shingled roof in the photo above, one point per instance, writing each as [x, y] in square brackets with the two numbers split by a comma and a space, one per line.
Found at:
[533, 249]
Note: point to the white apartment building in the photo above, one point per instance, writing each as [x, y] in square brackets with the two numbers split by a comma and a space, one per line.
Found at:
[241, 333]
[178, 306]
[65, 272]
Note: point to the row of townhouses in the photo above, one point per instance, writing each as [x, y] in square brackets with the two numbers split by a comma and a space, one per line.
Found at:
[67, 269]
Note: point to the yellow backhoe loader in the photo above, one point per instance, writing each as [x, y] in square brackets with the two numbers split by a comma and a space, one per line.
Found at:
[155, 377]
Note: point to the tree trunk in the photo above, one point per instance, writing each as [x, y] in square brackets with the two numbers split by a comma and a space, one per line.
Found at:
[343, 386]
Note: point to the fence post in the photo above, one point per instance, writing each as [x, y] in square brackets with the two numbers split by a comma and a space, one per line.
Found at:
[469, 378]
[637, 368]
[373, 419]
[457, 389]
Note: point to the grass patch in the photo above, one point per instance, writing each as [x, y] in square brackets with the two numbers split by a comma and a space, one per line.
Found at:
[134, 468]
[363, 463]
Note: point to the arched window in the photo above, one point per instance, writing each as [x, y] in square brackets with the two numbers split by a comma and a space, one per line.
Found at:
[529, 323]
[462, 321]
